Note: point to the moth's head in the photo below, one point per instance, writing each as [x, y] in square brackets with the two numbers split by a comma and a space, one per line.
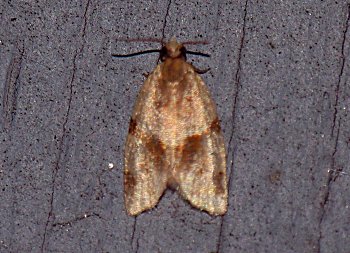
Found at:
[173, 49]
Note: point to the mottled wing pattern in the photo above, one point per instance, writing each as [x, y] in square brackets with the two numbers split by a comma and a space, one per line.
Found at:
[201, 171]
[144, 164]
[175, 140]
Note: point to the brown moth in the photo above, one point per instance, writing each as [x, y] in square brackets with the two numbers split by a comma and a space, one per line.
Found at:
[175, 139]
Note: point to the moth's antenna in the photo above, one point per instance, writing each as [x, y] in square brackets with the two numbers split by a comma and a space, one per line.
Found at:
[157, 50]
[151, 40]
[137, 53]
[198, 53]
[200, 42]
[156, 40]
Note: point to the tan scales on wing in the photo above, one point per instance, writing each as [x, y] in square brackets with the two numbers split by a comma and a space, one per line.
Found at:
[175, 141]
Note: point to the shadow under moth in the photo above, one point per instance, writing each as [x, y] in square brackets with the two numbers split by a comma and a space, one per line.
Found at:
[174, 138]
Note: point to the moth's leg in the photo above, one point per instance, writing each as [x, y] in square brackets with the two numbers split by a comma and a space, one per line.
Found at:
[200, 71]
[146, 74]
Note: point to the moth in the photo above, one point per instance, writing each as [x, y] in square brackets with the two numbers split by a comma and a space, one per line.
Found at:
[174, 139]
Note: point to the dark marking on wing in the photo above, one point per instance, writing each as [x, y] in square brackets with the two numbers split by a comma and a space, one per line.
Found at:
[192, 148]
[219, 181]
[129, 182]
[156, 152]
[215, 125]
[132, 126]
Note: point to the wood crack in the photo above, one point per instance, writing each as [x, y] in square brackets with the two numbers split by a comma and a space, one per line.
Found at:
[237, 82]
[65, 131]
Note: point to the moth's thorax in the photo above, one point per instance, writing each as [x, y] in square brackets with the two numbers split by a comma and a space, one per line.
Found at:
[174, 69]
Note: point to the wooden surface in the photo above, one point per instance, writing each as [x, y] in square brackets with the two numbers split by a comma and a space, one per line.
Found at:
[279, 73]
